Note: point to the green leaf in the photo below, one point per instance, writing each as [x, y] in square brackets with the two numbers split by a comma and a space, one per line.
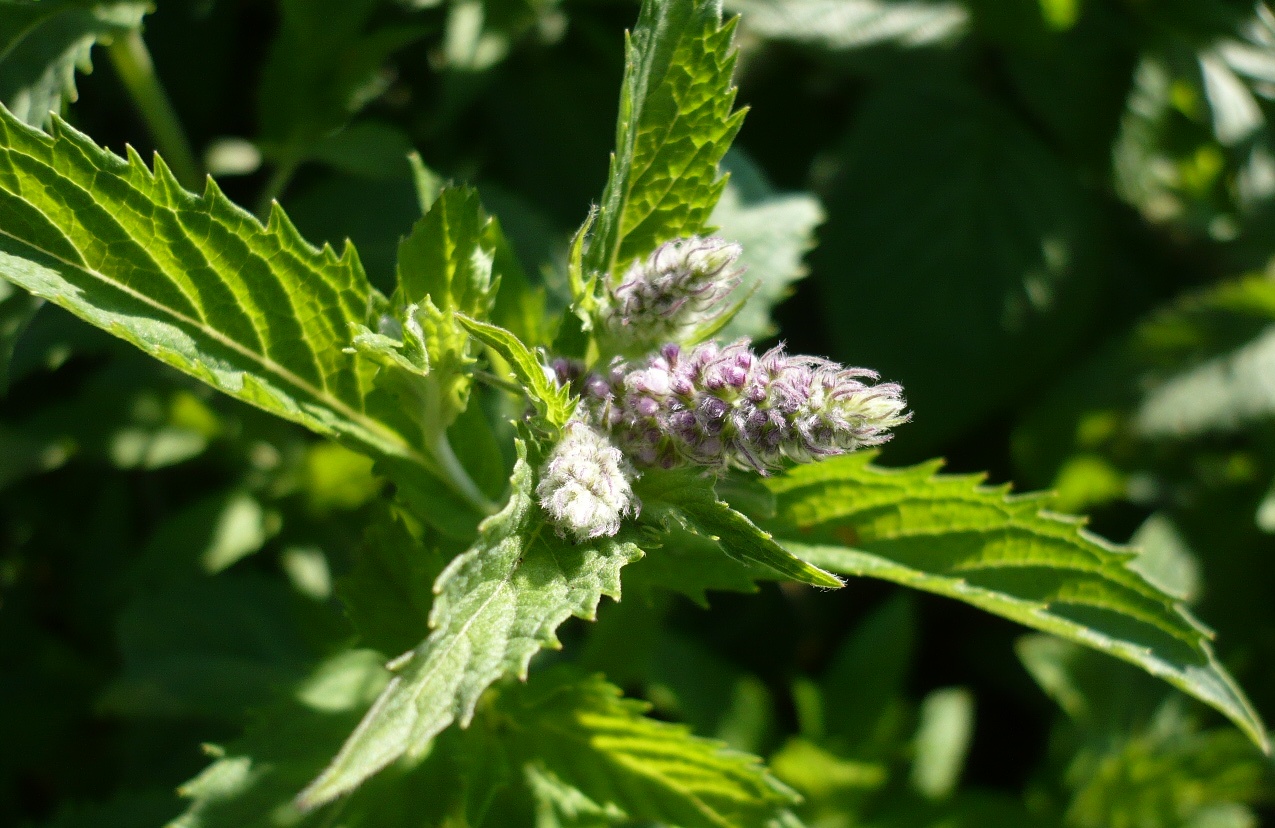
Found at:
[497, 605]
[674, 126]
[582, 732]
[853, 24]
[950, 536]
[685, 497]
[553, 402]
[775, 229]
[191, 280]
[43, 44]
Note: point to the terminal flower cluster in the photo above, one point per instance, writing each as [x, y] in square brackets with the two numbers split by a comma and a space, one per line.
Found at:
[679, 289]
[713, 406]
[727, 407]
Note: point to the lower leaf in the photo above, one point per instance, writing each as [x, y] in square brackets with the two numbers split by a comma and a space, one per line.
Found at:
[497, 604]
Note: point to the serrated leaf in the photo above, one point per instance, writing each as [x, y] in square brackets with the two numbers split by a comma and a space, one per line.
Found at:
[688, 498]
[192, 280]
[853, 24]
[675, 124]
[583, 732]
[948, 535]
[496, 606]
[553, 402]
[775, 230]
[43, 44]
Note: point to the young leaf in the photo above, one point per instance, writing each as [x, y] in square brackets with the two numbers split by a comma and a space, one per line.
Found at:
[948, 535]
[553, 402]
[687, 498]
[496, 606]
[675, 124]
[43, 44]
[583, 733]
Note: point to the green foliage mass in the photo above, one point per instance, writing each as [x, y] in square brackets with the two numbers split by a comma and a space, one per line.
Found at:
[261, 498]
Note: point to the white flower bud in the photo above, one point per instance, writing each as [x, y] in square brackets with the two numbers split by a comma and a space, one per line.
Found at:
[584, 485]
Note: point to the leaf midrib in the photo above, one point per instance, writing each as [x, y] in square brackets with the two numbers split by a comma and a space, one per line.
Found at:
[322, 397]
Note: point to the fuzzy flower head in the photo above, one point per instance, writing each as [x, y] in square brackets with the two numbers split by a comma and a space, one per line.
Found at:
[585, 484]
[677, 290]
[724, 407]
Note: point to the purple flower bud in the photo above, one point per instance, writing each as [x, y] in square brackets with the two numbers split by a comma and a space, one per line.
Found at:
[675, 292]
[724, 407]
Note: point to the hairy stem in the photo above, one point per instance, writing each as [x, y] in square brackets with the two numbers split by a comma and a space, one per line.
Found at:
[132, 61]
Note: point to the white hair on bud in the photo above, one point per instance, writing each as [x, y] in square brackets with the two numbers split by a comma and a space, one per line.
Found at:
[585, 486]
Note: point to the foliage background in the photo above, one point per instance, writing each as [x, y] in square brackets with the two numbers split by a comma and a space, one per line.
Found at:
[1051, 220]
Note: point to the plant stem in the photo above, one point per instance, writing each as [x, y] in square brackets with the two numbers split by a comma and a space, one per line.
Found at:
[459, 479]
[132, 61]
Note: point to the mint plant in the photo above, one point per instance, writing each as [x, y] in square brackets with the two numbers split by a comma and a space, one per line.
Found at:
[532, 441]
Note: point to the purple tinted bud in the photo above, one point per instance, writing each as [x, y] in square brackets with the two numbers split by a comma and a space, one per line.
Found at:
[678, 290]
[724, 407]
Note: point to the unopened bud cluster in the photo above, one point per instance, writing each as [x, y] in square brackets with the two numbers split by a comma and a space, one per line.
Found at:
[678, 290]
[584, 485]
[723, 407]
[707, 405]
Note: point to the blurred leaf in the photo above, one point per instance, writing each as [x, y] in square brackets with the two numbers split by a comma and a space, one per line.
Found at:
[43, 44]
[337, 478]
[389, 592]
[865, 678]
[1003, 554]
[775, 230]
[957, 246]
[213, 647]
[1200, 366]
[209, 535]
[675, 124]
[496, 606]
[1166, 560]
[372, 149]
[324, 65]
[592, 739]
[942, 741]
[17, 307]
[819, 774]
[1138, 759]
[854, 24]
